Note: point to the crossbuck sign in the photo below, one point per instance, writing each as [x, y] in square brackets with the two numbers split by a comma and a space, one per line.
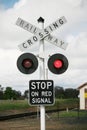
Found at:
[41, 91]
[40, 34]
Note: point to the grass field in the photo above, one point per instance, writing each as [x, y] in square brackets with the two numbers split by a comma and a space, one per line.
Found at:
[71, 120]
[13, 104]
[8, 107]
[23, 104]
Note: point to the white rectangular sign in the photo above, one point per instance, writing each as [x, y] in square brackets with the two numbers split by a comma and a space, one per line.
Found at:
[28, 43]
[55, 25]
[58, 42]
[26, 25]
[40, 34]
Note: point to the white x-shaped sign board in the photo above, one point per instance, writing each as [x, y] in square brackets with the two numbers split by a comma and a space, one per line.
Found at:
[40, 34]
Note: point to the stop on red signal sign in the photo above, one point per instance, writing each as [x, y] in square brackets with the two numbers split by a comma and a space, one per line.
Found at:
[41, 92]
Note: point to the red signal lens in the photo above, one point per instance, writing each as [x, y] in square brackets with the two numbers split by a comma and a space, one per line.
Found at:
[58, 64]
[27, 63]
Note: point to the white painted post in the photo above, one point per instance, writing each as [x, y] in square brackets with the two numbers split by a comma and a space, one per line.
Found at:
[42, 77]
[46, 73]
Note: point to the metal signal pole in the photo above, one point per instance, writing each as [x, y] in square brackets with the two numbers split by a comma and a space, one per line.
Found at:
[42, 74]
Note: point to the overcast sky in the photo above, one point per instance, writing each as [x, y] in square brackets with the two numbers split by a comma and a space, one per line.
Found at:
[74, 32]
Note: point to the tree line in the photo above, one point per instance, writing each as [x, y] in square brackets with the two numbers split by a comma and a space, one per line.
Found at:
[60, 92]
[9, 93]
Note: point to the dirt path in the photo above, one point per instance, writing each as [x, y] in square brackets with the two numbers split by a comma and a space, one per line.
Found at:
[51, 124]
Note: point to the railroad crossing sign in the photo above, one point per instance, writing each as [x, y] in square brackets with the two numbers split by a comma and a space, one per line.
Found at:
[41, 92]
[40, 34]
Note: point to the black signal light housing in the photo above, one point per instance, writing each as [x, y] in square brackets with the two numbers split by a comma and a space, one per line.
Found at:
[27, 63]
[58, 63]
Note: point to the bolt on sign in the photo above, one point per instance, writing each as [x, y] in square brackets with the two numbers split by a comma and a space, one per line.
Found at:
[41, 92]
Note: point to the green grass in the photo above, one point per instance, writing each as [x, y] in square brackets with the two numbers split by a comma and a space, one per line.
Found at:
[64, 103]
[70, 113]
[23, 104]
[11, 105]
[53, 123]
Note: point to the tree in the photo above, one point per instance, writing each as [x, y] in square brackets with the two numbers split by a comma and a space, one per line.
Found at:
[8, 94]
[67, 93]
[16, 94]
[1, 92]
[71, 93]
[59, 92]
[11, 94]
[26, 93]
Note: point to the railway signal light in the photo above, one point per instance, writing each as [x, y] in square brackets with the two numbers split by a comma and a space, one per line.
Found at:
[27, 63]
[57, 63]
